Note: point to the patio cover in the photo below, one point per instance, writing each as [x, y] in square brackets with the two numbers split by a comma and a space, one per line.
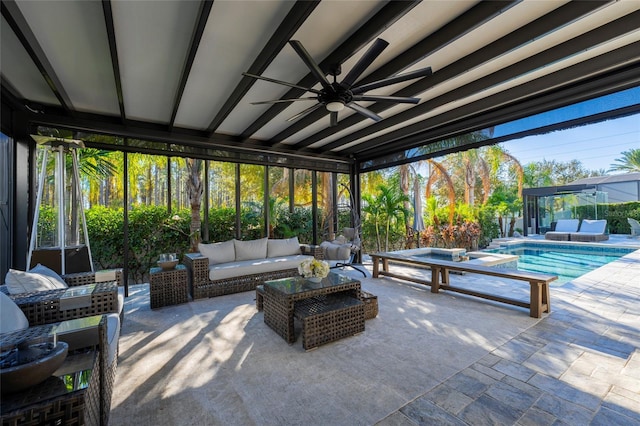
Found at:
[171, 71]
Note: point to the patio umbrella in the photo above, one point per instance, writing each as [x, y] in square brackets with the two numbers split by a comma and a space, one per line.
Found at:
[418, 222]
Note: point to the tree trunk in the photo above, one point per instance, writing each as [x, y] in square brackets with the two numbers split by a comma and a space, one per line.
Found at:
[512, 226]
[404, 184]
[194, 187]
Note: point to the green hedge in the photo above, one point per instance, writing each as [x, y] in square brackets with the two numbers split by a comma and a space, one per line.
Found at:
[615, 214]
[153, 231]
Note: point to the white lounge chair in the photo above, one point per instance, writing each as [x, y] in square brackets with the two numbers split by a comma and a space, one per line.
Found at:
[635, 227]
[564, 228]
[590, 231]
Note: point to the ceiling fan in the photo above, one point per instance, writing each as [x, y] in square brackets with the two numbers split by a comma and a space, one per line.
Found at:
[336, 96]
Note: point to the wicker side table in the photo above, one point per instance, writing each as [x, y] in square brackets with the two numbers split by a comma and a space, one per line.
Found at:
[312, 250]
[168, 287]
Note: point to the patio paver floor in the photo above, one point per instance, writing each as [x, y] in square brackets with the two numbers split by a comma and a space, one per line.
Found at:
[448, 360]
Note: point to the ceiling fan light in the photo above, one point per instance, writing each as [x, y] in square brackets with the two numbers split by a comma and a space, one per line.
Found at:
[335, 106]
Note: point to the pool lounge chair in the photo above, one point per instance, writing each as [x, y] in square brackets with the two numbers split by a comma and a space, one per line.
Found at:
[564, 228]
[590, 231]
[635, 227]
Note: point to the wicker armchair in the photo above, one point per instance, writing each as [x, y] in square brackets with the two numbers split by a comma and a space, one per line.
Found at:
[43, 307]
[95, 400]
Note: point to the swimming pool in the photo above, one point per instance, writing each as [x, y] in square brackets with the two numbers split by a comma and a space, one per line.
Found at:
[565, 261]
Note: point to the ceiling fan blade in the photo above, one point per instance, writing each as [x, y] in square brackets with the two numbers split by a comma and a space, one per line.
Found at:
[311, 64]
[364, 111]
[374, 51]
[277, 101]
[334, 119]
[392, 80]
[375, 98]
[304, 112]
[284, 83]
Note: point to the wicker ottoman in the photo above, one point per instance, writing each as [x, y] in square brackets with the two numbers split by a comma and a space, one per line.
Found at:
[370, 304]
[168, 287]
[329, 319]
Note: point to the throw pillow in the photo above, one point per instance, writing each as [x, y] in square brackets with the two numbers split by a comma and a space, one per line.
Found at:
[287, 247]
[11, 316]
[223, 252]
[340, 239]
[25, 282]
[43, 270]
[249, 250]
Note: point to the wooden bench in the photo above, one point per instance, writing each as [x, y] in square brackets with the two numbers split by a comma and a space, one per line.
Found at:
[539, 301]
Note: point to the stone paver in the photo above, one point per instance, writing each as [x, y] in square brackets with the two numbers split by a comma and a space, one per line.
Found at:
[579, 365]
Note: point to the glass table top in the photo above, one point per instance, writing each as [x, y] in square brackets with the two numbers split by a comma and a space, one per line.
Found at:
[78, 291]
[298, 284]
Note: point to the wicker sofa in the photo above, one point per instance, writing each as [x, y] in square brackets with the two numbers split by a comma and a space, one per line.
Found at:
[235, 266]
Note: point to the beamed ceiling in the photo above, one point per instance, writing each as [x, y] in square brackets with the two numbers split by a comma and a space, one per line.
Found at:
[172, 71]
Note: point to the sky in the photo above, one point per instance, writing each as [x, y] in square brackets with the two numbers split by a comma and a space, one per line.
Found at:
[596, 146]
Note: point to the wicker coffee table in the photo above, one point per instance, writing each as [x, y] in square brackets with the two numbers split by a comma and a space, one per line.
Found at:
[279, 306]
[168, 287]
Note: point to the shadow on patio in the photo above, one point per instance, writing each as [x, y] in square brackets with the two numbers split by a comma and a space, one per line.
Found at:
[426, 359]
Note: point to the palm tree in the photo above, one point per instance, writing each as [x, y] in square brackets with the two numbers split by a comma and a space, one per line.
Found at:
[405, 177]
[391, 201]
[372, 209]
[630, 161]
[194, 188]
[441, 172]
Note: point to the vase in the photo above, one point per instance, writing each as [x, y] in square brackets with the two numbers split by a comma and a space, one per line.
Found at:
[315, 279]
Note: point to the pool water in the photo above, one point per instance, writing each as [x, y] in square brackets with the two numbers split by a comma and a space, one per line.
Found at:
[567, 263]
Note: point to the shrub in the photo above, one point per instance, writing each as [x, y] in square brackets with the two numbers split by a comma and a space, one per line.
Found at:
[297, 223]
[106, 236]
[464, 234]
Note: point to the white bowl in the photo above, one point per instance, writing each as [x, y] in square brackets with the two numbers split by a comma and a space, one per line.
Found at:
[167, 265]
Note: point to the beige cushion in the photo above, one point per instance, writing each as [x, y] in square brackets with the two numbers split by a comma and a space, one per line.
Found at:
[287, 247]
[593, 226]
[249, 250]
[43, 270]
[332, 251]
[223, 252]
[24, 282]
[340, 239]
[567, 225]
[255, 266]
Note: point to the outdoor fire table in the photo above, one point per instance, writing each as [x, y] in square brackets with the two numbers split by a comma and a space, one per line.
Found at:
[77, 392]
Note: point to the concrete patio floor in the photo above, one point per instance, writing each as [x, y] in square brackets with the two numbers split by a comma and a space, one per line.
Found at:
[426, 359]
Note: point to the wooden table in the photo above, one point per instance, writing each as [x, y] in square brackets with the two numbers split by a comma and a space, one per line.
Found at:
[539, 299]
[281, 295]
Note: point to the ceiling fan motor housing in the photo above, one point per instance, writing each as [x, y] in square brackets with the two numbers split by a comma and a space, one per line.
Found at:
[338, 94]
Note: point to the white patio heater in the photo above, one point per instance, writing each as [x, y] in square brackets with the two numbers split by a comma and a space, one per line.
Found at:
[69, 251]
